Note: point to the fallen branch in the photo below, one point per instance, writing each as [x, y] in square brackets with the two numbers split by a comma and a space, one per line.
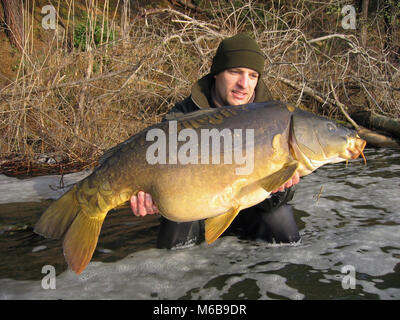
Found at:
[330, 36]
[342, 107]
[303, 88]
[320, 97]
[132, 70]
[187, 19]
[190, 5]
[378, 122]
[378, 140]
[372, 138]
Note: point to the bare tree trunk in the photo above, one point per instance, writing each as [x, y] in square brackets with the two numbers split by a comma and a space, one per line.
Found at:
[13, 16]
[364, 26]
[125, 18]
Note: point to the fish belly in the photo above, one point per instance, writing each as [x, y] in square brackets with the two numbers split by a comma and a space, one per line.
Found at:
[212, 204]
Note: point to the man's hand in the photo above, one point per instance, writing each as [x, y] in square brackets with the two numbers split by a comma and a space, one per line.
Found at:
[294, 180]
[143, 204]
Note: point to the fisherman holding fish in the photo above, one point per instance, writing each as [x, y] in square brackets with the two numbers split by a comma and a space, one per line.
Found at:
[234, 79]
[199, 198]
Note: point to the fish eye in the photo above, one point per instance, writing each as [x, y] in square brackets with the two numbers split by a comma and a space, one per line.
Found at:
[331, 127]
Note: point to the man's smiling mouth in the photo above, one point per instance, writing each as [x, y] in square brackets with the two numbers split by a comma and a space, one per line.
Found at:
[239, 95]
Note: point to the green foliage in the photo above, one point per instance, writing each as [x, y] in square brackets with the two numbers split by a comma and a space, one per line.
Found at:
[334, 9]
[90, 33]
[392, 11]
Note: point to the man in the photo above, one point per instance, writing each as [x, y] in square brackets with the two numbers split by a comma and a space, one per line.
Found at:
[234, 79]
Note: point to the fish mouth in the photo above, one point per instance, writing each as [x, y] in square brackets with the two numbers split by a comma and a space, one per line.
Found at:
[355, 147]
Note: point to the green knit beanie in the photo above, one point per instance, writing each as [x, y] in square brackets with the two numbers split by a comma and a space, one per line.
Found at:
[238, 51]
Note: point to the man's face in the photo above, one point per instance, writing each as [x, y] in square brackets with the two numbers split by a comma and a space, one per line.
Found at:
[236, 86]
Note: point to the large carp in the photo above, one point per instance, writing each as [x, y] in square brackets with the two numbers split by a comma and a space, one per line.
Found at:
[185, 185]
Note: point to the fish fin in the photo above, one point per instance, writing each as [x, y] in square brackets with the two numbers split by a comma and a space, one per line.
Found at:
[58, 217]
[215, 226]
[68, 217]
[112, 151]
[279, 178]
[81, 240]
[178, 116]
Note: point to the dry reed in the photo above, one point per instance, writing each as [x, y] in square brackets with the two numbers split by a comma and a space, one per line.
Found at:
[72, 105]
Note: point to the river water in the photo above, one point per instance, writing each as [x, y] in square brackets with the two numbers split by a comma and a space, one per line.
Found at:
[349, 220]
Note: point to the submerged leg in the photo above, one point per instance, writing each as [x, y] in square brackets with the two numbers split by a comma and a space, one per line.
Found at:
[275, 225]
[271, 220]
[279, 226]
[173, 235]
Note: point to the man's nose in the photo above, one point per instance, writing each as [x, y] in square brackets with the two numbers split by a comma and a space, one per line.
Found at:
[244, 81]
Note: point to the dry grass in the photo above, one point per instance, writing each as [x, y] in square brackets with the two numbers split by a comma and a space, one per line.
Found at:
[74, 104]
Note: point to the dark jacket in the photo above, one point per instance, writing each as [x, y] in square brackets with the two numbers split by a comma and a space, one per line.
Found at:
[200, 98]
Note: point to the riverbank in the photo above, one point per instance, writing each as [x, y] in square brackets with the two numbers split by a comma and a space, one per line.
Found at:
[71, 100]
[25, 167]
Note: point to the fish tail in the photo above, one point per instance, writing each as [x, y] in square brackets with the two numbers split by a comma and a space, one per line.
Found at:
[78, 216]
[58, 217]
[81, 240]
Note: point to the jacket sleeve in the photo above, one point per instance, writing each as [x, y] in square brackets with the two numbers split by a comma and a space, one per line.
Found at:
[181, 107]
